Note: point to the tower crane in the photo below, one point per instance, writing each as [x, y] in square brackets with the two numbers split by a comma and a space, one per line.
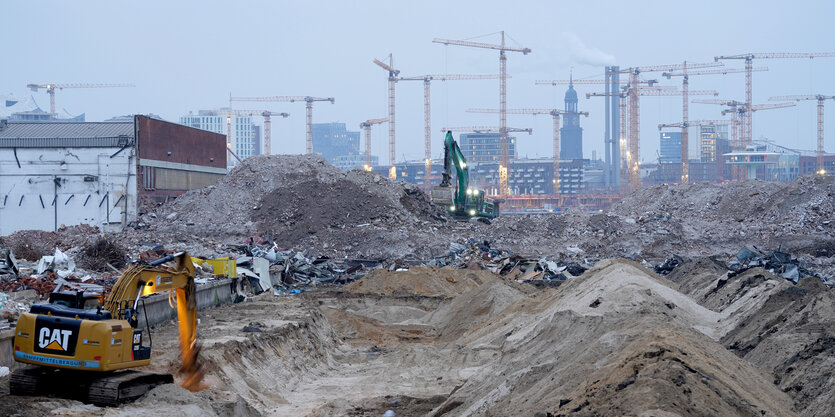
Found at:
[50, 89]
[685, 108]
[820, 98]
[716, 122]
[367, 126]
[427, 128]
[266, 114]
[737, 109]
[292, 99]
[747, 121]
[502, 48]
[392, 78]
[555, 113]
[633, 94]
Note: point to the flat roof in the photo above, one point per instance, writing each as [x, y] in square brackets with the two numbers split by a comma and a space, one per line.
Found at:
[65, 134]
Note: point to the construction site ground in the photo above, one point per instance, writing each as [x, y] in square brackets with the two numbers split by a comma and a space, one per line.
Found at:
[460, 340]
[619, 340]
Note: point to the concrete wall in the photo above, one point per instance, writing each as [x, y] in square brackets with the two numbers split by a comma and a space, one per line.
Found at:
[209, 295]
[66, 186]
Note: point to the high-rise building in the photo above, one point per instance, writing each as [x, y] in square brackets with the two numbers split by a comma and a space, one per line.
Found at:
[485, 147]
[239, 129]
[670, 148]
[571, 134]
[333, 140]
[714, 142]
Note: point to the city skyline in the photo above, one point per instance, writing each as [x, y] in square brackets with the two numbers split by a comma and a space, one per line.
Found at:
[191, 55]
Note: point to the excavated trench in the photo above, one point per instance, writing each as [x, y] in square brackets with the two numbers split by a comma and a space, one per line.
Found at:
[327, 353]
[427, 342]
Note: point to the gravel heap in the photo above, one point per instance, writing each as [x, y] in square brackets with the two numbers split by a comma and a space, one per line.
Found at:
[302, 202]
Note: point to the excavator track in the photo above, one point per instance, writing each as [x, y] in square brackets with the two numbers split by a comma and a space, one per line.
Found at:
[102, 389]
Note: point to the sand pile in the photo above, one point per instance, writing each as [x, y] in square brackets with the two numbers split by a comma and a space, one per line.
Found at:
[789, 333]
[675, 373]
[545, 344]
[428, 280]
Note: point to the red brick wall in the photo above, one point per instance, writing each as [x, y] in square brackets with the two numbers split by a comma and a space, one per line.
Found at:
[187, 145]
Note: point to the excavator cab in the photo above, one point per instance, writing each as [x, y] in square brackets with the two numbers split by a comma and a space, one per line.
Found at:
[461, 202]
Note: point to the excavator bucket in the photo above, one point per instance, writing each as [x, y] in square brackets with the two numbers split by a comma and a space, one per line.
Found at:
[442, 196]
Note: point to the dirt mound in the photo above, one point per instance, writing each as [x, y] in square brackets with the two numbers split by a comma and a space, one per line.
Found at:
[793, 336]
[545, 344]
[301, 201]
[789, 330]
[34, 244]
[473, 307]
[675, 373]
[429, 281]
[797, 215]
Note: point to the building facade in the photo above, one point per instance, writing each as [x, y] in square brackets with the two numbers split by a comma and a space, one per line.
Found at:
[348, 162]
[56, 173]
[670, 148]
[241, 138]
[485, 147]
[333, 140]
[257, 140]
[808, 165]
[713, 142]
[526, 176]
[571, 134]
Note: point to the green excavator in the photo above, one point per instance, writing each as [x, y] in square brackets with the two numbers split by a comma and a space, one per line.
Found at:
[462, 202]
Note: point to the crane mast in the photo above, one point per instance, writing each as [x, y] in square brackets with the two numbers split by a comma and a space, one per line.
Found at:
[367, 126]
[503, 138]
[820, 169]
[266, 114]
[392, 80]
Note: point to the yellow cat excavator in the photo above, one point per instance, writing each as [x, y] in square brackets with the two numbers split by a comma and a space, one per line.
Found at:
[84, 350]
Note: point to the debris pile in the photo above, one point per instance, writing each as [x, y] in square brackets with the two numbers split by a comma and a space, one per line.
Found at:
[775, 262]
[302, 202]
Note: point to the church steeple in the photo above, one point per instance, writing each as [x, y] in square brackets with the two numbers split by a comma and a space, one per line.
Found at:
[571, 95]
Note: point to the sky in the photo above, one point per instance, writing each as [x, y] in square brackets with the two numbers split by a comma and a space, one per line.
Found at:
[186, 56]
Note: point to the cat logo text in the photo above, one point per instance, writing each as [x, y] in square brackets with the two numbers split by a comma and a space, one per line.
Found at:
[54, 339]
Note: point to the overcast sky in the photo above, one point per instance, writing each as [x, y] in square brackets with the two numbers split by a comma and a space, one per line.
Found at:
[190, 55]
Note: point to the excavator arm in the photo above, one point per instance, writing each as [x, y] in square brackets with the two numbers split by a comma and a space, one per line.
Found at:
[154, 277]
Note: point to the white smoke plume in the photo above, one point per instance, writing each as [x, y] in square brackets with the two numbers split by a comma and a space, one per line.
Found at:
[579, 53]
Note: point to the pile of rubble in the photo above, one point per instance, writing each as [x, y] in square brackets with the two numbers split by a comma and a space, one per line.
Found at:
[722, 217]
[302, 202]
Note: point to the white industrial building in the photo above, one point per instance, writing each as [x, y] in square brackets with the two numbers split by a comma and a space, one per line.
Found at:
[54, 174]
